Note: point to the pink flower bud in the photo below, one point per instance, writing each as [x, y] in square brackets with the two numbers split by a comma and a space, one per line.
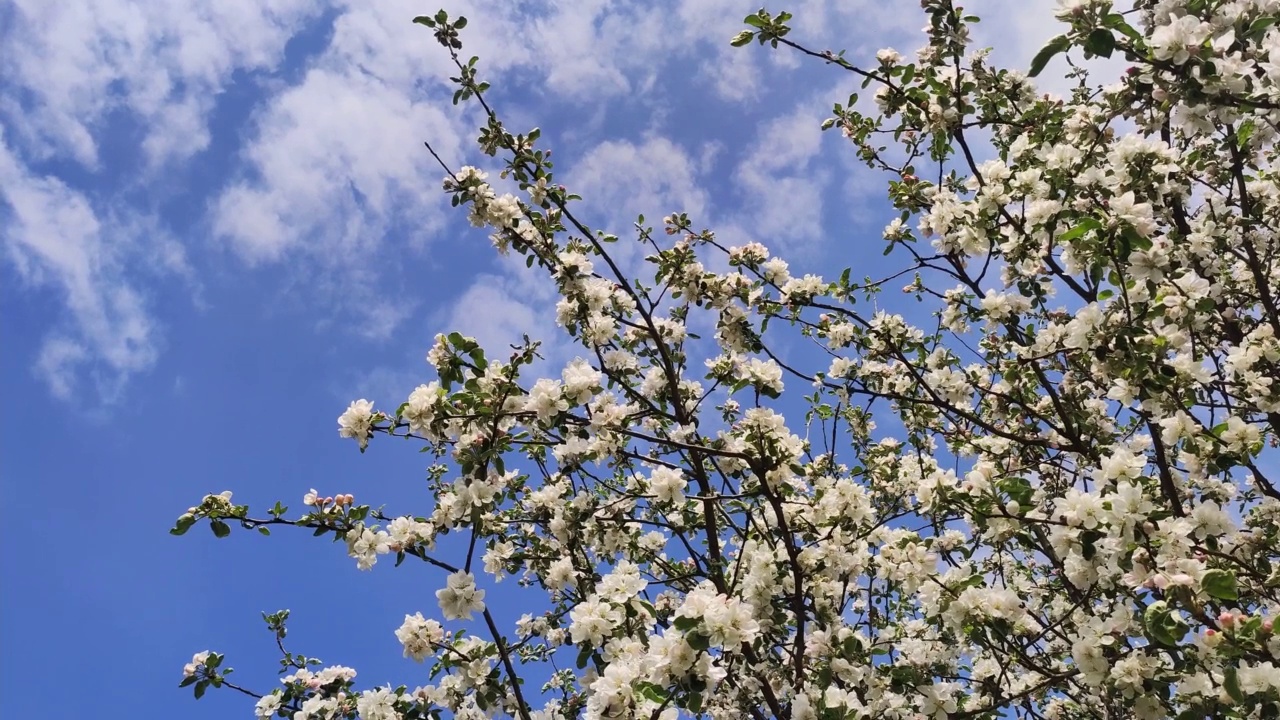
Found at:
[1226, 619]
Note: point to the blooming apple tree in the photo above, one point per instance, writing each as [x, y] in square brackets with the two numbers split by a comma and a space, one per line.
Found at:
[1051, 498]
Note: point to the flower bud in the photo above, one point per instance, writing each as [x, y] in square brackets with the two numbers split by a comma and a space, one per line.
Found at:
[1212, 638]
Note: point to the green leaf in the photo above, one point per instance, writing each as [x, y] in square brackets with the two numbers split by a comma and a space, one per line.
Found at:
[460, 23]
[653, 692]
[1116, 21]
[1244, 132]
[200, 688]
[685, 624]
[183, 525]
[583, 656]
[1018, 489]
[755, 21]
[1220, 584]
[1231, 683]
[1089, 543]
[220, 529]
[1079, 230]
[1057, 45]
[1100, 42]
[1129, 239]
[1259, 26]
[1162, 626]
[742, 38]
[698, 641]
[424, 20]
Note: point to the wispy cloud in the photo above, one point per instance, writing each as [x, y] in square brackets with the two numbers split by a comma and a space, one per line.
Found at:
[75, 62]
[57, 242]
[329, 180]
[332, 164]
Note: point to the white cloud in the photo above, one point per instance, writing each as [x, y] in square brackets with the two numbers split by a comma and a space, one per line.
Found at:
[784, 187]
[69, 67]
[78, 60]
[334, 161]
[333, 175]
[1017, 29]
[620, 179]
[496, 312]
[335, 180]
[56, 240]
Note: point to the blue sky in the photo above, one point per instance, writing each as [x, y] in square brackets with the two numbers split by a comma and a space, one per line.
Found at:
[219, 227]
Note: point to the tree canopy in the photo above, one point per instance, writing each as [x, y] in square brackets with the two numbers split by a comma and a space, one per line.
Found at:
[1041, 489]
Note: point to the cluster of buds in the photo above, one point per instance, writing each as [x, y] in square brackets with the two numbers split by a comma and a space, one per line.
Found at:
[313, 498]
[1229, 619]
